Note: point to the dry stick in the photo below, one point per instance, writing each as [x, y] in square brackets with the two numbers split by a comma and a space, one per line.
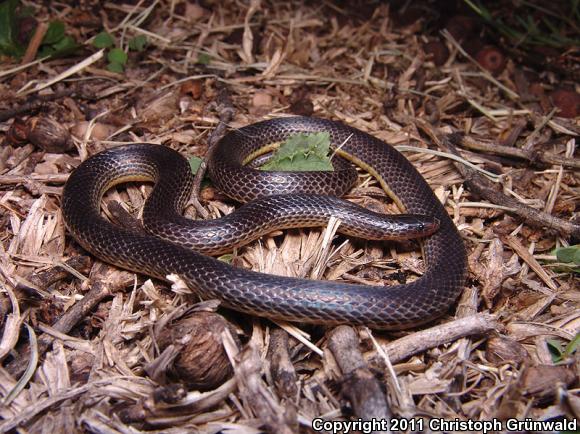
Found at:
[523, 253]
[423, 340]
[256, 395]
[483, 187]
[37, 102]
[281, 367]
[63, 75]
[509, 151]
[34, 43]
[148, 409]
[226, 112]
[98, 292]
[41, 405]
[360, 386]
[58, 178]
[46, 278]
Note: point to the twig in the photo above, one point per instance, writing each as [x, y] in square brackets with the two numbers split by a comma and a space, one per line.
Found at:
[531, 140]
[281, 367]
[360, 386]
[226, 112]
[509, 151]
[423, 340]
[254, 392]
[8, 72]
[41, 281]
[65, 74]
[459, 159]
[148, 410]
[298, 334]
[36, 103]
[58, 178]
[34, 43]
[523, 253]
[42, 405]
[99, 291]
[481, 186]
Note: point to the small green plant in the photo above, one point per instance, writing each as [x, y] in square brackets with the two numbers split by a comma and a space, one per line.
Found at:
[194, 164]
[9, 45]
[569, 257]
[302, 152]
[560, 352]
[116, 56]
[55, 42]
[203, 59]
[104, 40]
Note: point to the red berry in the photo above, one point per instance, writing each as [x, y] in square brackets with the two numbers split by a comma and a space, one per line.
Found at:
[491, 58]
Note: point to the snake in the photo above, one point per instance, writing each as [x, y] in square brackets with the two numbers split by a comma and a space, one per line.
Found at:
[292, 199]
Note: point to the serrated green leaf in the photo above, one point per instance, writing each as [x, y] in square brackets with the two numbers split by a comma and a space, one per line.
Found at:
[302, 152]
[194, 163]
[116, 67]
[116, 55]
[103, 40]
[138, 43]
[203, 58]
[54, 33]
[569, 254]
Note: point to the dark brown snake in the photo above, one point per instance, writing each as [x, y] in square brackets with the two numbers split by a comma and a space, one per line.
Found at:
[308, 301]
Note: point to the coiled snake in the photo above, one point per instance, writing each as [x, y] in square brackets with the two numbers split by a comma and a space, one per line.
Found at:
[308, 301]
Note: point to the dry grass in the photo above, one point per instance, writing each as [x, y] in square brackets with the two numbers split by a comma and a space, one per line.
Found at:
[101, 371]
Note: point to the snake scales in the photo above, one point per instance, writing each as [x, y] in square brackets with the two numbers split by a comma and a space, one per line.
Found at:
[309, 301]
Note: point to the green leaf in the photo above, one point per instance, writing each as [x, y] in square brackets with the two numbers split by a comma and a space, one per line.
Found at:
[65, 46]
[227, 258]
[116, 55]
[302, 152]
[54, 33]
[45, 51]
[194, 163]
[573, 345]
[559, 352]
[8, 21]
[569, 254]
[104, 40]
[138, 43]
[203, 58]
[556, 350]
[25, 11]
[116, 67]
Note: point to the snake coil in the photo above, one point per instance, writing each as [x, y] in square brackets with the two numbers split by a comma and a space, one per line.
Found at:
[309, 301]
